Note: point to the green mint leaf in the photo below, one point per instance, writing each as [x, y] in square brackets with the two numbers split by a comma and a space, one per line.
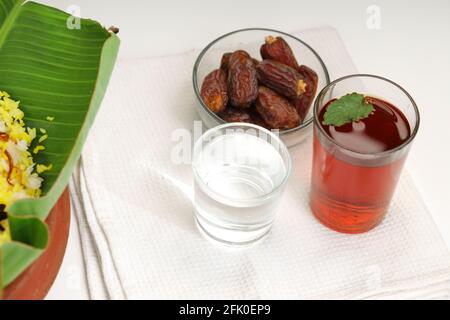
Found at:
[349, 108]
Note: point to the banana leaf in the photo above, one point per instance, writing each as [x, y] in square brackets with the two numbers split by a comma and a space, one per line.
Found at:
[60, 75]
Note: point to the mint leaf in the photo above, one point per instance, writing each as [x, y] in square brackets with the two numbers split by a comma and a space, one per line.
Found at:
[349, 108]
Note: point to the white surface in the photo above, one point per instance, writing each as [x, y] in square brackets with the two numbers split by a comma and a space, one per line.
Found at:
[136, 212]
[410, 48]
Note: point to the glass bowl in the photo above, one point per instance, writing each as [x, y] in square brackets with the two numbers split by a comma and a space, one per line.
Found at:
[251, 40]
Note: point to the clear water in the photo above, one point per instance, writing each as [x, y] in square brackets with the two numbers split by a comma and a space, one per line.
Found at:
[234, 201]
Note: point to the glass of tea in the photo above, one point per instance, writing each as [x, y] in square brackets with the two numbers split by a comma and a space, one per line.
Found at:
[363, 129]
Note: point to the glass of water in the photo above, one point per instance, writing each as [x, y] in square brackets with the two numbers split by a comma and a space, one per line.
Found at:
[240, 172]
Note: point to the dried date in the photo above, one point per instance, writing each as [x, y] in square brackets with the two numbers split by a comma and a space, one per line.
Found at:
[214, 91]
[231, 114]
[237, 55]
[276, 111]
[281, 78]
[303, 103]
[279, 50]
[225, 61]
[256, 62]
[258, 120]
[249, 115]
[242, 80]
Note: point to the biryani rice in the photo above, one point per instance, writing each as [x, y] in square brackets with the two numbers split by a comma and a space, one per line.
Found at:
[19, 177]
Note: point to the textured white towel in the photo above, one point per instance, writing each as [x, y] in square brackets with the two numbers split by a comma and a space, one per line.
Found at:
[134, 209]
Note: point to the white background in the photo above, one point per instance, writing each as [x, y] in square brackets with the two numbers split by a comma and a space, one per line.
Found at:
[412, 48]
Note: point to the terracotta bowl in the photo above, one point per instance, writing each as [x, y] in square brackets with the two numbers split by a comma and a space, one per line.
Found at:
[37, 280]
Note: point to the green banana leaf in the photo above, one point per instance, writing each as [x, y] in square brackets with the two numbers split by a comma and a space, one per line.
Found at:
[57, 72]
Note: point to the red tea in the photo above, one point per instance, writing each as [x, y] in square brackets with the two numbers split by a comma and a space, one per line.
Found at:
[351, 191]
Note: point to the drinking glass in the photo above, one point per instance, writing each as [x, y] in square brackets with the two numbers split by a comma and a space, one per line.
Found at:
[351, 191]
[240, 172]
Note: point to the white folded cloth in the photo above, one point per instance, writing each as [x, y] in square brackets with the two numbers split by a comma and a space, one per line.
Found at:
[135, 212]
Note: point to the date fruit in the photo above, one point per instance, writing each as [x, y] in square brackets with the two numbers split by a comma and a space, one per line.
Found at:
[242, 80]
[258, 120]
[275, 93]
[281, 78]
[214, 91]
[256, 62]
[235, 115]
[225, 61]
[279, 50]
[249, 115]
[275, 110]
[303, 103]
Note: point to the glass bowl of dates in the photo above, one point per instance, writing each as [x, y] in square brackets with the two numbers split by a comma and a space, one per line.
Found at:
[260, 76]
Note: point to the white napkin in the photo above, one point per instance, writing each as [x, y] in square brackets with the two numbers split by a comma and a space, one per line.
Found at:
[135, 212]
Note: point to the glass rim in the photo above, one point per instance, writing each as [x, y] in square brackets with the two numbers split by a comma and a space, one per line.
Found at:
[304, 124]
[351, 151]
[283, 150]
